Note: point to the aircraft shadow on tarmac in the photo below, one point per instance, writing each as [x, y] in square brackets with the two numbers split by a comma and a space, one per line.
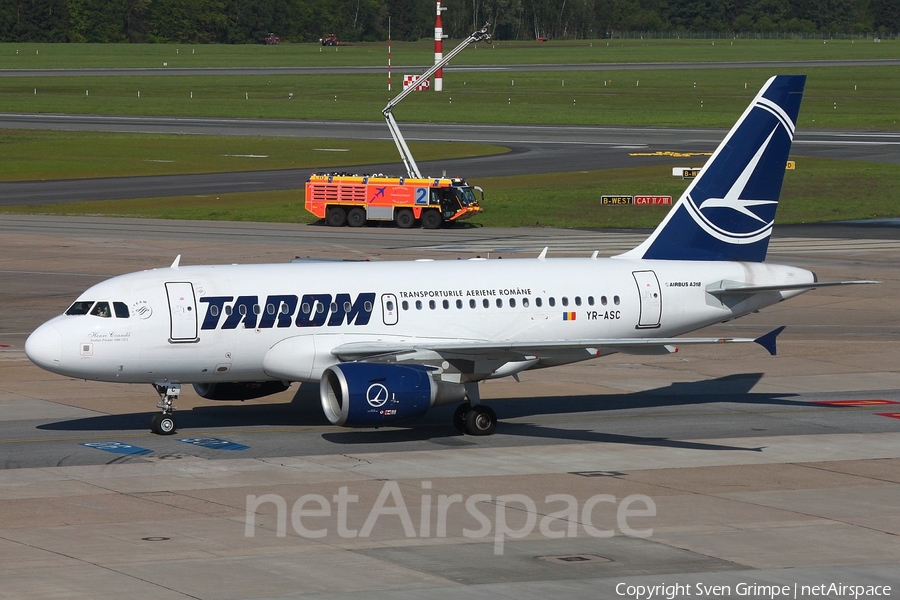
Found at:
[305, 410]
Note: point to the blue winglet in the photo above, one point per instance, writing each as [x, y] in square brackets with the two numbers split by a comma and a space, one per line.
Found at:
[767, 341]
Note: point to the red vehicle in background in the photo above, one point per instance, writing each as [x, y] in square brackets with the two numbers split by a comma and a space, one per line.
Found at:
[330, 40]
[272, 40]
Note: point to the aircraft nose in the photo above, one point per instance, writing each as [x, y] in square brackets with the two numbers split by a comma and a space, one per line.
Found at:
[44, 347]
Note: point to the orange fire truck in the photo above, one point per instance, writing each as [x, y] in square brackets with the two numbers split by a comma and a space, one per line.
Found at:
[353, 200]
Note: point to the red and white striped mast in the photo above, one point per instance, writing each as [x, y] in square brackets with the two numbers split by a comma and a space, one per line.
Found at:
[439, 47]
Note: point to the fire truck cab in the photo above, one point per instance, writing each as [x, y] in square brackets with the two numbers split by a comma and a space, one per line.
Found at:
[355, 200]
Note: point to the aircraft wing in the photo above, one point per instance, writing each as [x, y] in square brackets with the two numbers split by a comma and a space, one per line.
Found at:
[525, 350]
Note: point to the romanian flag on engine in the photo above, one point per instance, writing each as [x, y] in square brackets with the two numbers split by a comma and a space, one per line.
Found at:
[568, 316]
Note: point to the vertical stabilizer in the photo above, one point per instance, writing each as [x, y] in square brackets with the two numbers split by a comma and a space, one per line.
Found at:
[727, 212]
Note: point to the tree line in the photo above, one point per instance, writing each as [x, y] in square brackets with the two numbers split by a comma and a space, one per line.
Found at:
[248, 21]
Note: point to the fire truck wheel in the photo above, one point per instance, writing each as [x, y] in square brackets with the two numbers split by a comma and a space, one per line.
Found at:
[405, 218]
[356, 217]
[336, 216]
[431, 219]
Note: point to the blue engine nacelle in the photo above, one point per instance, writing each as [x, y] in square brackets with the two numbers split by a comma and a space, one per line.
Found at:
[375, 394]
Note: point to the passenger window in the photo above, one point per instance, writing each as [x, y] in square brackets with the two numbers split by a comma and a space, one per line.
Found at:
[551, 301]
[538, 302]
[405, 305]
[121, 310]
[616, 300]
[499, 303]
[229, 310]
[525, 302]
[320, 307]
[459, 304]
[305, 308]
[486, 303]
[101, 309]
[285, 309]
[348, 306]
[242, 309]
[512, 302]
[446, 304]
[367, 306]
[214, 310]
[431, 304]
[80, 308]
[565, 301]
[590, 300]
[270, 308]
[257, 309]
[472, 303]
[603, 300]
[418, 305]
[334, 307]
[389, 305]
[577, 300]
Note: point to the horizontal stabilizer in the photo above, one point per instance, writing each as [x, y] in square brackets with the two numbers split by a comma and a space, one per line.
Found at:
[722, 288]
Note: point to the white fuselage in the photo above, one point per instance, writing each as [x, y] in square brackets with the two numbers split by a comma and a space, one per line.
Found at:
[201, 324]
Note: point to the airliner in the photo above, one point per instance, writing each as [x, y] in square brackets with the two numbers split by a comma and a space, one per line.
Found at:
[388, 341]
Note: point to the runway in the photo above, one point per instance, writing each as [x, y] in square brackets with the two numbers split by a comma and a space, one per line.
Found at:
[357, 70]
[733, 467]
[533, 149]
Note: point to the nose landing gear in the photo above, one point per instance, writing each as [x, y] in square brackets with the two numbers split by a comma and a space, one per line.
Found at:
[164, 423]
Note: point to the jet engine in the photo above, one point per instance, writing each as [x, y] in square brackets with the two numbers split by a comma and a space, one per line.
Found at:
[375, 395]
[239, 390]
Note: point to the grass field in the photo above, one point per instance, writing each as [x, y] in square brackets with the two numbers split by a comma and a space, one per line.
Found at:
[835, 98]
[81, 56]
[819, 190]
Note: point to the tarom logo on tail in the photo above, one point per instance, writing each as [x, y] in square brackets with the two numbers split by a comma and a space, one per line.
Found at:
[728, 211]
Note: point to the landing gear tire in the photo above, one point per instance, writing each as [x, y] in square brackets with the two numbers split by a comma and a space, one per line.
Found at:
[336, 216]
[481, 420]
[432, 219]
[162, 424]
[459, 417]
[356, 217]
[405, 218]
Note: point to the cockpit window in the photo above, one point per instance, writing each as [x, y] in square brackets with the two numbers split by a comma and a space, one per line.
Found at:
[81, 307]
[121, 310]
[101, 309]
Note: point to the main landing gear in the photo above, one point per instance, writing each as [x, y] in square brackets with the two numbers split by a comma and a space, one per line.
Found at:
[164, 423]
[473, 418]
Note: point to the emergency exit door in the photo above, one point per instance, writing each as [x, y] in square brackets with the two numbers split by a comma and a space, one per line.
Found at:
[389, 309]
[650, 298]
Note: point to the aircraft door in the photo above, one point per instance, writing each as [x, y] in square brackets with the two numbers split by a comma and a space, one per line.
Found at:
[182, 312]
[389, 309]
[650, 298]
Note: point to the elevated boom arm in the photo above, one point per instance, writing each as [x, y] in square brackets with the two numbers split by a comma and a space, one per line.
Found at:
[412, 169]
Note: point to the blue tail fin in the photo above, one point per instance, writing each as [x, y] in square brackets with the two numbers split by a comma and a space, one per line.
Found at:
[728, 211]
